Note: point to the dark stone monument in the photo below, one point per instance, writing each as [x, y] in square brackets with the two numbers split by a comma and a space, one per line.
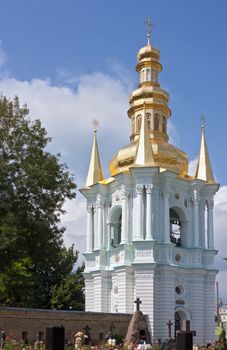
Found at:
[185, 337]
[87, 340]
[55, 338]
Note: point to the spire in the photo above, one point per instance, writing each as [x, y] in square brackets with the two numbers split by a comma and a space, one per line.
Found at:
[204, 170]
[95, 171]
[144, 154]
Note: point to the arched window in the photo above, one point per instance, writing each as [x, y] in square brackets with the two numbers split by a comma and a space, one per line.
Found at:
[156, 122]
[148, 115]
[148, 74]
[138, 122]
[175, 227]
[143, 75]
[164, 123]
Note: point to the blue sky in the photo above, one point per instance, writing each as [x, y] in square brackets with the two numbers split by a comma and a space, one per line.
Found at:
[73, 61]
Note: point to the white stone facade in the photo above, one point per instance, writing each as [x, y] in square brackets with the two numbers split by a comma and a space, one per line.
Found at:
[131, 254]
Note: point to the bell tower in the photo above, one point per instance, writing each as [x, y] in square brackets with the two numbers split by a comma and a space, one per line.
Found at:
[146, 232]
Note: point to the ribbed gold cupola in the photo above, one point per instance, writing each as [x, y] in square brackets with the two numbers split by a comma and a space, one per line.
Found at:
[149, 96]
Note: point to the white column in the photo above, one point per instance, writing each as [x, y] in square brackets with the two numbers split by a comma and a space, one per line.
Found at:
[166, 227]
[90, 228]
[124, 203]
[196, 218]
[139, 226]
[149, 213]
[95, 225]
[210, 225]
[202, 223]
[100, 221]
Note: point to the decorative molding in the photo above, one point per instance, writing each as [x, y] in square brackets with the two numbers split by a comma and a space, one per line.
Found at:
[143, 252]
[196, 198]
[139, 188]
[116, 197]
[143, 276]
[90, 263]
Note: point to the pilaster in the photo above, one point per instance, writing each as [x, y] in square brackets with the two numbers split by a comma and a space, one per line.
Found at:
[196, 200]
[124, 203]
[139, 205]
[210, 225]
[90, 228]
[149, 212]
[166, 226]
[100, 207]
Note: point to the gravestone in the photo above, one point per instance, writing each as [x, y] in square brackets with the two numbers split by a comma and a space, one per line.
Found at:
[87, 333]
[185, 337]
[55, 338]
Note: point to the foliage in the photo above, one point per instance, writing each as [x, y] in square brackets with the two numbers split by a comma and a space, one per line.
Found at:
[69, 295]
[33, 188]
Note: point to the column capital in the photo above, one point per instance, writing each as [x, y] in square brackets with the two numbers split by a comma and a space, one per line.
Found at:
[149, 188]
[139, 188]
[196, 197]
[124, 192]
[89, 208]
[100, 201]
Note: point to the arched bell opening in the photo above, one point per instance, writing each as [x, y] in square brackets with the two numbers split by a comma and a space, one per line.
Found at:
[177, 226]
[115, 223]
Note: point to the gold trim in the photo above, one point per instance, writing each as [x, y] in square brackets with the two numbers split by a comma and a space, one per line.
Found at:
[148, 83]
[159, 107]
[152, 64]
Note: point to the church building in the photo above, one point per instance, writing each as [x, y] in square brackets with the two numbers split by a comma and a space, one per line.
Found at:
[150, 224]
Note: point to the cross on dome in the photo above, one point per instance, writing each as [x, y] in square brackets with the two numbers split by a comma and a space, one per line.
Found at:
[149, 26]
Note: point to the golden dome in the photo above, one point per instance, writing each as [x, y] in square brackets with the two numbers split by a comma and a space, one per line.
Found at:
[150, 99]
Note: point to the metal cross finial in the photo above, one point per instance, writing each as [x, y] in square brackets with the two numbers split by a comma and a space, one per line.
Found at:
[202, 121]
[149, 26]
[138, 302]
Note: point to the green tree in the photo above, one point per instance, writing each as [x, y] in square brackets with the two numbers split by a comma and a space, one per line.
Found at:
[69, 295]
[33, 188]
